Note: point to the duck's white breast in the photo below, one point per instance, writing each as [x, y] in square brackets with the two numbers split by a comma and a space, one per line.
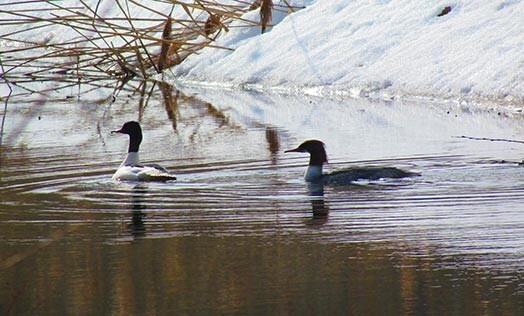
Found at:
[128, 173]
[313, 174]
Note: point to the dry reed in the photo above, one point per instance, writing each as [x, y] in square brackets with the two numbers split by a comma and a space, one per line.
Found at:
[266, 12]
[164, 50]
[120, 46]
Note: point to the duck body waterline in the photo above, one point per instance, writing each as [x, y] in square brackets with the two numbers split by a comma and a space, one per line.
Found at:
[130, 169]
[318, 157]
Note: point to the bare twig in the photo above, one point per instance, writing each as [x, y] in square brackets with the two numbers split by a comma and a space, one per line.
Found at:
[121, 46]
[492, 139]
[6, 101]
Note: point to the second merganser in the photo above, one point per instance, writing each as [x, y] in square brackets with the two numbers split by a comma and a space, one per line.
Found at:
[130, 169]
[318, 157]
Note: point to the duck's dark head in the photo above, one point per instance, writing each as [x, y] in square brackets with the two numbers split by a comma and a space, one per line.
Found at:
[316, 150]
[134, 131]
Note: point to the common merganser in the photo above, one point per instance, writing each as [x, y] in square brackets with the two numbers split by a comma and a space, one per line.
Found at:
[130, 169]
[318, 157]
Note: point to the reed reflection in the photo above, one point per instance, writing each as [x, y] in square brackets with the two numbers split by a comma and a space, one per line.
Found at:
[189, 111]
[170, 97]
[273, 143]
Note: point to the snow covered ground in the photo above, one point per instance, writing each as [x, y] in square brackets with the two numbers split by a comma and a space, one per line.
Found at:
[384, 48]
[389, 48]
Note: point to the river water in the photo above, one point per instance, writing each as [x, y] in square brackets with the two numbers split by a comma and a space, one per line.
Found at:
[239, 232]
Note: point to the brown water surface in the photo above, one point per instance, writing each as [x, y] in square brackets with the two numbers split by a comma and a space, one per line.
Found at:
[240, 232]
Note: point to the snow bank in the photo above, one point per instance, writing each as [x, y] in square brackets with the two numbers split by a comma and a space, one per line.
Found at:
[396, 47]
[389, 47]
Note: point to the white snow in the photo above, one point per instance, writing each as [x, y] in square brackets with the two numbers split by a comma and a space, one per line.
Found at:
[396, 47]
[358, 48]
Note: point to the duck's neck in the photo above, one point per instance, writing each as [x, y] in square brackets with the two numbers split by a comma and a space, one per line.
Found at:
[313, 173]
[317, 159]
[134, 143]
[132, 158]
[314, 169]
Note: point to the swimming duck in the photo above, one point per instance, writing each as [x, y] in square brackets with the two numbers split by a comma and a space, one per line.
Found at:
[318, 157]
[130, 169]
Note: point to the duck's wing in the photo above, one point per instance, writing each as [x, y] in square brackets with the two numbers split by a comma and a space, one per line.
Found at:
[158, 167]
[155, 173]
[366, 173]
[143, 173]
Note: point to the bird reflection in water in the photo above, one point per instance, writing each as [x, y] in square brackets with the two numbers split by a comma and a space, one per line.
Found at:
[318, 205]
[137, 227]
